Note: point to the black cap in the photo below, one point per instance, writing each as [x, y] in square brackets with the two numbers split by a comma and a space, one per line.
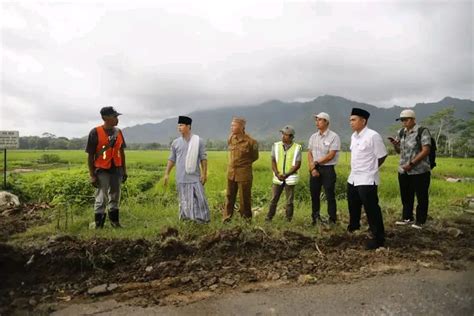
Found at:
[360, 112]
[184, 120]
[109, 111]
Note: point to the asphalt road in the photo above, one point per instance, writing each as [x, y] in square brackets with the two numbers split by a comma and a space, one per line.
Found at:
[425, 292]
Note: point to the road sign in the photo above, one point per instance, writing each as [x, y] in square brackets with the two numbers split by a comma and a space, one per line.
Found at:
[9, 139]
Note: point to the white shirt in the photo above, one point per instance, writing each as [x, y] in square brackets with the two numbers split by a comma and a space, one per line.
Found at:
[321, 144]
[367, 148]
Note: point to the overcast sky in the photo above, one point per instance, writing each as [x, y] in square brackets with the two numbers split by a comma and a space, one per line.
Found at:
[61, 61]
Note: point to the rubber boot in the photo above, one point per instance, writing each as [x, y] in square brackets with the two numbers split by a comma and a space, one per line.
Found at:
[100, 220]
[114, 218]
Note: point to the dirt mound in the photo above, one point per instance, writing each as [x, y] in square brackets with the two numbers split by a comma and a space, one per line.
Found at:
[173, 270]
[11, 265]
[18, 219]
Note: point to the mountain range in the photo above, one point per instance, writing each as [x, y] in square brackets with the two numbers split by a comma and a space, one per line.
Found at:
[265, 120]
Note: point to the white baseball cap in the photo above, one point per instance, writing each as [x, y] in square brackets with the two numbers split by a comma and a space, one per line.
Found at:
[322, 115]
[406, 114]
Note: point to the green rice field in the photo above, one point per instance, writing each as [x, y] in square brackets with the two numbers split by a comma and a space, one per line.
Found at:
[61, 179]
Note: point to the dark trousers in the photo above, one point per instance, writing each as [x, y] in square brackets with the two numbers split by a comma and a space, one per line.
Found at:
[326, 179]
[409, 186]
[367, 196]
[245, 188]
[276, 193]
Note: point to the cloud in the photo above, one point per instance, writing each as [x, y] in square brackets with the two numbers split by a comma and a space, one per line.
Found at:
[62, 61]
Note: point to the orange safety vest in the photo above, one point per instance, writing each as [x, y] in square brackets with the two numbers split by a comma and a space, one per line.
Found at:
[104, 161]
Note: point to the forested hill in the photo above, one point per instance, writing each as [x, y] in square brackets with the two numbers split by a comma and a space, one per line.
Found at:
[265, 120]
[450, 120]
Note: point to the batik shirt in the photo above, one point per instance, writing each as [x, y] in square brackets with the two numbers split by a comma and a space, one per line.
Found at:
[409, 149]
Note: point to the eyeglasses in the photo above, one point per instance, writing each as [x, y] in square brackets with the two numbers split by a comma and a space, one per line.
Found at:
[404, 119]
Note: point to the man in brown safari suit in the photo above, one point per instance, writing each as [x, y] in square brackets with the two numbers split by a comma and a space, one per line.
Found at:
[243, 151]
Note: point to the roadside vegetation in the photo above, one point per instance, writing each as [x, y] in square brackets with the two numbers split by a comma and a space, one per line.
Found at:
[60, 178]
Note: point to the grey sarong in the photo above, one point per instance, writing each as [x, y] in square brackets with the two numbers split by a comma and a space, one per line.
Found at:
[192, 202]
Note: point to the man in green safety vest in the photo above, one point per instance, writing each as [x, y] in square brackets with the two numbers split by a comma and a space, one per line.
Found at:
[286, 160]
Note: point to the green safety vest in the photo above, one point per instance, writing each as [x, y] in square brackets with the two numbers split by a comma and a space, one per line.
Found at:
[285, 160]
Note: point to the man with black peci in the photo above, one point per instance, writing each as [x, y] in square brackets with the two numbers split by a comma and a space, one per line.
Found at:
[368, 153]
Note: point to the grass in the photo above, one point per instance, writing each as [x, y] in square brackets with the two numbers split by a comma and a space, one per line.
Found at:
[30, 158]
[146, 210]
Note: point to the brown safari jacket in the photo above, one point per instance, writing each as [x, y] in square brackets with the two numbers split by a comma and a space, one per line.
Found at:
[243, 151]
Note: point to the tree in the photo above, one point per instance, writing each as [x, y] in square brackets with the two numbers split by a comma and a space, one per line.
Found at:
[48, 135]
[443, 123]
[77, 143]
[59, 143]
[453, 136]
[465, 141]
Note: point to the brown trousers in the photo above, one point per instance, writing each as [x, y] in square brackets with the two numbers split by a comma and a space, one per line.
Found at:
[245, 190]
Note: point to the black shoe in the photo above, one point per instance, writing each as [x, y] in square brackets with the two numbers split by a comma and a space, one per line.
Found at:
[352, 229]
[372, 244]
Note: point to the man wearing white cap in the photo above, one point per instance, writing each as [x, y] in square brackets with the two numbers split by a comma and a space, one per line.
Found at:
[413, 143]
[323, 154]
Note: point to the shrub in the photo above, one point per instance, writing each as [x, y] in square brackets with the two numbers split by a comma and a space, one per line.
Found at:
[49, 159]
[72, 186]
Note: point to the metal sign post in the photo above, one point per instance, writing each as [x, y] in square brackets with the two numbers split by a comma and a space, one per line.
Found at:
[4, 168]
[8, 140]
